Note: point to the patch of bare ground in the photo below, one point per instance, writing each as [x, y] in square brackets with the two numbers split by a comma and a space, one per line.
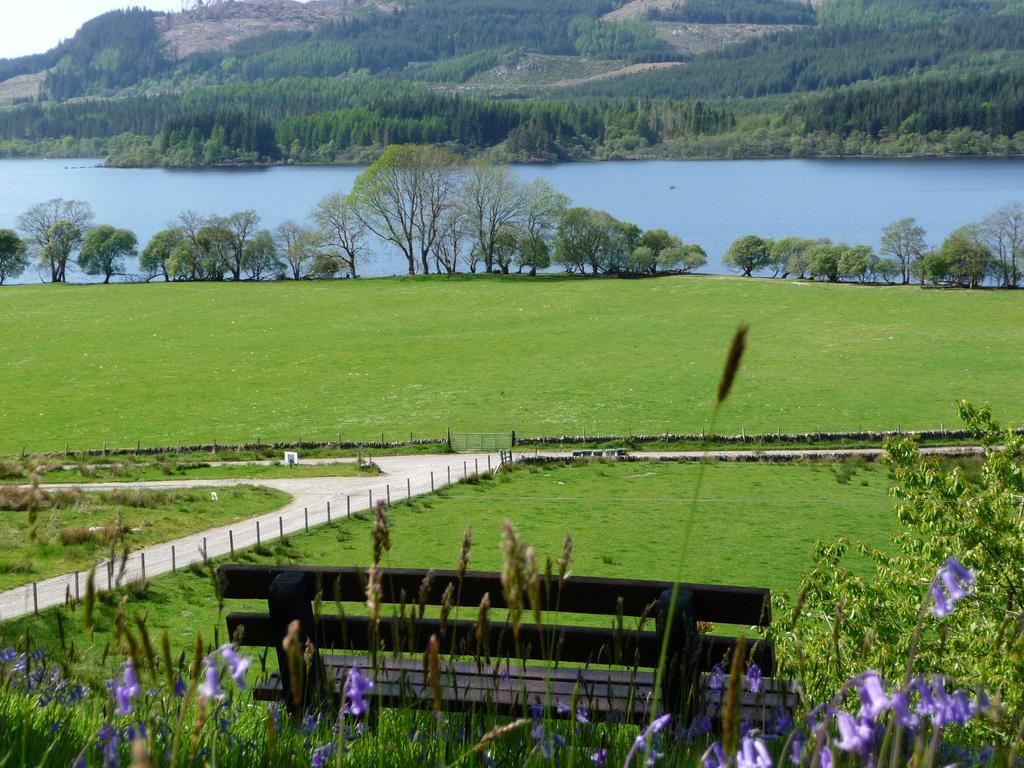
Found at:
[639, 8]
[220, 25]
[629, 69]
[686, 37]
[21, 87]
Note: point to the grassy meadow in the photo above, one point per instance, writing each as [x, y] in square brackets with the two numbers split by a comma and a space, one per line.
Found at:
[756, 525]
[74, 530]
[163, 363]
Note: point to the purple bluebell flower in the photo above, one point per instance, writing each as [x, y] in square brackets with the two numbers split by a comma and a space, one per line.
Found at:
[753, 754]
[599, 757]
[950, 709]
[782, 721]
[536, 711]
[855, 735]
[901, 711]
[548, 743]
[79, 762]
[796, 750]
[825, 757]
[179, 688]
[644, 740]
[504, 676]
[211, 689]
[357, 685]
[562, 708]
[872, 696]
[582, 715]
[321, 755]
[237, 665]
[957, 581]
[714, 757]
[716, 681]
[701, 724]
[8, 655]
[754, 679]
[108, 746]
[124, 693]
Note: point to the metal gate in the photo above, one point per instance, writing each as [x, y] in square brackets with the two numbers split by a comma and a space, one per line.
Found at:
[483, 442]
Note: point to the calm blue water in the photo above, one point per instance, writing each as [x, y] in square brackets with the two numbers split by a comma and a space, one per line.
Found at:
[710, 203]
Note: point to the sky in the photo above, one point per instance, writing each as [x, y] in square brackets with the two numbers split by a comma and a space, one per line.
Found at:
[35, 26]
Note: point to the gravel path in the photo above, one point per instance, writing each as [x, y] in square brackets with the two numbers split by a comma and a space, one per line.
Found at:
[312, 497]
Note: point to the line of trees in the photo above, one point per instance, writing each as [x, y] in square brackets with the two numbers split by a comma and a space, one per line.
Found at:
[989, 252]
[443, 214]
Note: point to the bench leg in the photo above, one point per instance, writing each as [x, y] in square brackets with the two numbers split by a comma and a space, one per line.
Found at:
[681, 676]
[290, 601]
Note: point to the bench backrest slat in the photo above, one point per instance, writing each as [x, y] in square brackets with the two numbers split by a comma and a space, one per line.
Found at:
[749, 606]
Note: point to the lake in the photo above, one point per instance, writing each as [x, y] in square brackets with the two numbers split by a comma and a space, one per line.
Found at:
[707, 202]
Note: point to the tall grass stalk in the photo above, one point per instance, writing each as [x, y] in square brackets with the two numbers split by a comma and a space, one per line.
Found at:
[729, 373]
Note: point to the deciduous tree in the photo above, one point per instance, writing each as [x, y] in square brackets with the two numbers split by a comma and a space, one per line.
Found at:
[748, 254]
[13, 255]
[104, 250]
[904, 241]
[155, 256]
[342, 229]
[403, 198]
[54, 230]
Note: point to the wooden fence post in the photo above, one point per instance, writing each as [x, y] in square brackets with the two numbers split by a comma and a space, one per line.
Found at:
[231, 541]
[431, 482]
[77, 597]
[488, 462]
[348, 505]
[305, 514]
[174, 564]
[449, 474]
[476, 470]
[408, 488]
[388, 489]
[35, 598]
[206, 556]
[465, 471]
[142, 559]
[280, 527]
[258, 542]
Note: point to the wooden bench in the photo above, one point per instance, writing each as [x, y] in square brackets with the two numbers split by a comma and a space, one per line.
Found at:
[608, 668]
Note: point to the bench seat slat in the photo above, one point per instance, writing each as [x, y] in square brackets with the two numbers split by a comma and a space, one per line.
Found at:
[401, 681]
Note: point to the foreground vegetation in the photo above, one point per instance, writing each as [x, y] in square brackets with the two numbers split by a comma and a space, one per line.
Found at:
[900, 674]
[49, 533]
[578, 359]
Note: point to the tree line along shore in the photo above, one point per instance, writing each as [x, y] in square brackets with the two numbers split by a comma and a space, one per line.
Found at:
[448, 216]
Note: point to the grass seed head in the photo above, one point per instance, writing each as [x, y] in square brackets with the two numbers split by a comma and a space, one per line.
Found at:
[467, 545]
[381, 531]
[732, 364]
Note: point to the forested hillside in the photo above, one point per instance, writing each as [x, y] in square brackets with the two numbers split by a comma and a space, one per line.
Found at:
[354, 77]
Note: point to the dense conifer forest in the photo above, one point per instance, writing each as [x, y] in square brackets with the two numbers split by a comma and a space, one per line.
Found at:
[916, 70]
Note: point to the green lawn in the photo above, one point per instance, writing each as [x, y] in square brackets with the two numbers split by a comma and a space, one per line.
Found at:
[756, 525]
[75, 530]
[130, 472]
[160, 363]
